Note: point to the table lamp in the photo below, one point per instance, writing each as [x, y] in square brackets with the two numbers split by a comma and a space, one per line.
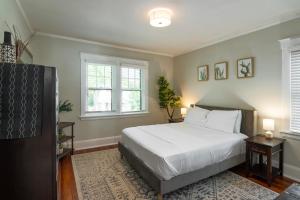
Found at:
[183, 112]
[268, 126]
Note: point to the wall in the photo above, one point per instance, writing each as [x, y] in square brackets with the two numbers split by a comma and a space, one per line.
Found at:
[10, 13]
[263, 92]
[65, 55]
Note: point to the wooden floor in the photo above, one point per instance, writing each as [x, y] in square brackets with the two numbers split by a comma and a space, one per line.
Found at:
[68, 187]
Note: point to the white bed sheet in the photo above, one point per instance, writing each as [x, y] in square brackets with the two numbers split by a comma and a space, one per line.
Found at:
[173, 149]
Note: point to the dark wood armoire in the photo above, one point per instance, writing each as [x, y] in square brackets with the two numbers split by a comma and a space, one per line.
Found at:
[28, 125]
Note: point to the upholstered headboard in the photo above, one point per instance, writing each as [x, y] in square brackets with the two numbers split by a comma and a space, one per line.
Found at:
[248, 124]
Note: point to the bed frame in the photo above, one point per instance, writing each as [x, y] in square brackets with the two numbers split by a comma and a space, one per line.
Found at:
[161, 186]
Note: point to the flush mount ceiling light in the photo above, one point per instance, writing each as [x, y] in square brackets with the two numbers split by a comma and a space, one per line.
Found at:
[160, 17]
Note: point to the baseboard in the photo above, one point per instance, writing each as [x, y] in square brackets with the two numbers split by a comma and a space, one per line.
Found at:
[97, 142]
[289, 171]
[292, 172]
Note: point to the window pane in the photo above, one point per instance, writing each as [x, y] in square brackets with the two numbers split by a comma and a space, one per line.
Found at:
[99, 100]
[124, 72]
[92, 81]
[137, 84]
[107, 71]
[295, 91]
[131, 101]
[99, 76]
[100, 82]
[131, 78]
[131, 73]
[125, 83]
[100, 71]
[137, 73]
[131, 84]
[107, 82]
[92, 70]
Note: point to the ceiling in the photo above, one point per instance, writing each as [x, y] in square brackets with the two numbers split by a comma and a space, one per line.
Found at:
[195, 23]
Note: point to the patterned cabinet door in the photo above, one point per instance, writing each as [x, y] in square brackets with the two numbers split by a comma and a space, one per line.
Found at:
[21, 100]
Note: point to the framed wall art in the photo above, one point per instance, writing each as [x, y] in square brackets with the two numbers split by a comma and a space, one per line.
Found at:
[245, 67]
[203, 73]
[221, 71]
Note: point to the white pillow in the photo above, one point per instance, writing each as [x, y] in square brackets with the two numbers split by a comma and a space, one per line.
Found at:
[196, 116]
[222, 120]
[237, 126]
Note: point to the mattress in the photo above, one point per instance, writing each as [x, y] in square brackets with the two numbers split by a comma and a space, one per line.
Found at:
[173, 149]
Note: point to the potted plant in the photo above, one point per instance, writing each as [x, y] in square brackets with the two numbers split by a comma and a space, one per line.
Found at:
[167, 98]
[64, 106]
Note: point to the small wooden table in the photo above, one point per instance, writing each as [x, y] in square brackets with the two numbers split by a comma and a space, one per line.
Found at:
[264, 147]
[65, 138]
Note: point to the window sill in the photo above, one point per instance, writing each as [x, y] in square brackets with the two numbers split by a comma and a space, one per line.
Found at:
[290, 135]
[112, 116]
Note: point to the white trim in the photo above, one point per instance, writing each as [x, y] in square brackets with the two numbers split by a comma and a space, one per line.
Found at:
[116, 63]
[290, 135]
[97, 142]
[103, 44]
[25, 16]
[113, 116]
[235, 35]
[287, 45]
[291, 172]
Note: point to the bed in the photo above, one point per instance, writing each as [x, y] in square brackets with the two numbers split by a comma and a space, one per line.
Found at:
[171, 156]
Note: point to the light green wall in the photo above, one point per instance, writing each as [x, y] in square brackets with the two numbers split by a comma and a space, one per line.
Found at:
[10, 13]
[263, 92]
[65, 55]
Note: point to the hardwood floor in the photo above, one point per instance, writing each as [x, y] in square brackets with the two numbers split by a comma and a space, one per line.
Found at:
[69, 192]
[278, 185]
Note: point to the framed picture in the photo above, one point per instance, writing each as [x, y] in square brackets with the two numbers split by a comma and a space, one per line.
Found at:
[203, 73]
[221, 71]
[245, 67]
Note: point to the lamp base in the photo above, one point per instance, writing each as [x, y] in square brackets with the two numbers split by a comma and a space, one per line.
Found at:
[269, 135]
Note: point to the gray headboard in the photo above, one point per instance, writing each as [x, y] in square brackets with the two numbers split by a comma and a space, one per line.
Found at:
[248, 125]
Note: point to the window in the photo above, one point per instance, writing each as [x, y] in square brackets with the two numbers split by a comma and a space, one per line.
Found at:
[113, 86]
[291, 84]
[99, 87]
[295, 91]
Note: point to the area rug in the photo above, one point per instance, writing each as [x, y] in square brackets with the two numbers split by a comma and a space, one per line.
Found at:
[103, 175]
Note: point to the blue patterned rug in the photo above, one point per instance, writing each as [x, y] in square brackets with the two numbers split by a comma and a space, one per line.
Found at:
[103, 175]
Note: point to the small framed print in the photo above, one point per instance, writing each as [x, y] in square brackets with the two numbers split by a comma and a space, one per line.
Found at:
[203, 73]
[221, 71]
[245, 67]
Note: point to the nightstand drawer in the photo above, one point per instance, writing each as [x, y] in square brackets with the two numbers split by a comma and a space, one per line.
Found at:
[258, 148]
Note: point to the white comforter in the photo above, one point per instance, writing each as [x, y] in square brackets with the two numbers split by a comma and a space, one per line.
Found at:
[174, 149]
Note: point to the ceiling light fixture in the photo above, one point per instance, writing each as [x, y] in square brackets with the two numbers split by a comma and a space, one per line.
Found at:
[160, 17]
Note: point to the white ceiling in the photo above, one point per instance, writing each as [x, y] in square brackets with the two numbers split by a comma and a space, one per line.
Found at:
[195, 23]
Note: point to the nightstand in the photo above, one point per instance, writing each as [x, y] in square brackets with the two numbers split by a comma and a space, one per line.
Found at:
[263, 146]
[176, 120]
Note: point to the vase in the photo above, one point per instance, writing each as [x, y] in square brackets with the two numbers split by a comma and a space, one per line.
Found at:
[7, 50]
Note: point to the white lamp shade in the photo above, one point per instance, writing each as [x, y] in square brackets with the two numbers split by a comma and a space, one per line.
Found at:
[268, 124]
[183, 111]
[160, 17]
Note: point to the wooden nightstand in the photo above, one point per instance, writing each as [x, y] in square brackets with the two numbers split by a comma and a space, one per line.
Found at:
[176, 120]
[264, 147]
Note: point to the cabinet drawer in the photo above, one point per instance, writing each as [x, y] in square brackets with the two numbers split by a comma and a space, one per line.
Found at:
[258, 148]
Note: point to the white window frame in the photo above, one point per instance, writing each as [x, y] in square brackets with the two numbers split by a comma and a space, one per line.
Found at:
[117, 63]
[287, 46]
